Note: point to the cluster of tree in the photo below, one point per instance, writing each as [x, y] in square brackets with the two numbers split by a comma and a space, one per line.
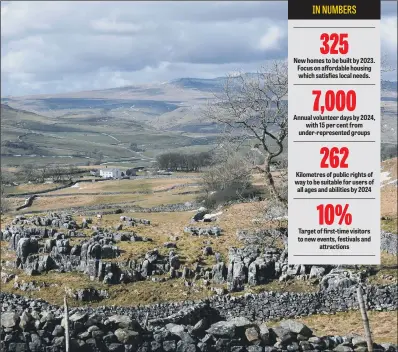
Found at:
[226, 180]
[130, 172]
[19, 145]
[6, 179]
[388, 151]
[57, 173]
[4, 204]
[184, 161]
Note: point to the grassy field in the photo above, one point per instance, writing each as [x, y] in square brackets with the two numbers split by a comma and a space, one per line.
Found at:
[389, 195]
[43, 204]
[30, 187]
[383, 325]
[390, 225]
[388, 268]
[133, 185]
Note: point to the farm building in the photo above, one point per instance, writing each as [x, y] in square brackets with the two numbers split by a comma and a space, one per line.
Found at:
[110, 173]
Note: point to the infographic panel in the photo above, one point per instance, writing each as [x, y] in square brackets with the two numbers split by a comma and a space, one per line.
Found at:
[334, 133]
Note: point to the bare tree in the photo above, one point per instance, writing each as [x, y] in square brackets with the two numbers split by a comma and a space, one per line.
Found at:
[231, 175]
[253, 109]
[28, 172]
[70, 172]
[41, 175]
[365, 320]
[55, 173]
[385, 66]
[4, 203]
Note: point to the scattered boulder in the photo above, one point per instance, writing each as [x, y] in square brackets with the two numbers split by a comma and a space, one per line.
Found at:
[339, 279]
[207, 251]
[317, 272]
[87, 294]
[202, 231]
[170, 245]
[296, 327]
[200, 214]
[222, 329]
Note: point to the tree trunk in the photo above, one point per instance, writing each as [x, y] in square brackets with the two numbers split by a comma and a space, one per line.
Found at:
[365, 320]
[66, 325]
[271, 183]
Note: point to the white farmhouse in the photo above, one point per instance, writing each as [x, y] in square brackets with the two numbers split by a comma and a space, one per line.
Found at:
[110, 173]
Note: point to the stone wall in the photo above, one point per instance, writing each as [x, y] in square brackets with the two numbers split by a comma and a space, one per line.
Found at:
[197, 328]
[27, 204]
[276, 305]
[262, 307]
[224, 323]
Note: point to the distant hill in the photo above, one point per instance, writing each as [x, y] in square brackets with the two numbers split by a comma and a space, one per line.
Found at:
[171, 108]
[389, 86]
[204, 85]
[80, 138]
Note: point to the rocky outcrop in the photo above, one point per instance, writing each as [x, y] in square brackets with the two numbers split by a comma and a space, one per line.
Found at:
[340, 279]
[52, 219]
[135, 221]
[25, 247]
[38, 232]
[252, 237]
[255, 265]
[203, 231]
[99, 247]
[87, 294]
[31, 285]
[38, 264]
[54, 251]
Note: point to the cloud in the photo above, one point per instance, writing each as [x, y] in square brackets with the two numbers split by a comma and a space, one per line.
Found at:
[61, 46]
[388, 32]
[271, 39]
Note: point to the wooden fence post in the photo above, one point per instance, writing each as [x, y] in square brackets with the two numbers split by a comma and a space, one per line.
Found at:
[365, 320]
[146, 320]
[66, 325]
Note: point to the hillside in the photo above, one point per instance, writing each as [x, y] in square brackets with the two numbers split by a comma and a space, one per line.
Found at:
[79, 138]
[102, 125]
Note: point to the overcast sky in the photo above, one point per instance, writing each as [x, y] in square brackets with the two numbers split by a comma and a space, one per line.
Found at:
[61, 46]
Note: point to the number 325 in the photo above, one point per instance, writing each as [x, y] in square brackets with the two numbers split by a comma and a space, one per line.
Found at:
[335, 39]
